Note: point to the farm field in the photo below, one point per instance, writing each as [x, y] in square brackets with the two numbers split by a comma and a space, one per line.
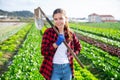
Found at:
[99, 64]
[7, 29]
[107, 36]
[9, 46]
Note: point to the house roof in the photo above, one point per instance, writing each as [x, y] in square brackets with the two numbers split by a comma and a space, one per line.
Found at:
[94, 14]
[105, 15]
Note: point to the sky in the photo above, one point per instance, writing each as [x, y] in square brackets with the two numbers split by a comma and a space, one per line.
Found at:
[74, 8]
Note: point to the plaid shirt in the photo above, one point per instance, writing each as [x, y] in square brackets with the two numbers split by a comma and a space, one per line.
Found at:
[48, 51]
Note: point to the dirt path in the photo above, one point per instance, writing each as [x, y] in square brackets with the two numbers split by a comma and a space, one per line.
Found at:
[108, 48]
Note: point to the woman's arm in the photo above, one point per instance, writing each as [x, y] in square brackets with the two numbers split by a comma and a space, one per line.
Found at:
[47, 47]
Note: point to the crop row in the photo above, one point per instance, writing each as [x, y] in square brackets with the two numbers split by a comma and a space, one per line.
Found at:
[26, 63]
[110, 33]
[107, 65]
[113, 25]
[99, 38]
[9, 46]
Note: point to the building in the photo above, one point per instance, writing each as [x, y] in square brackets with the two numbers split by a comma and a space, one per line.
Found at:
[3, 16]
[77, 20]
[100, 18]
[7, 18]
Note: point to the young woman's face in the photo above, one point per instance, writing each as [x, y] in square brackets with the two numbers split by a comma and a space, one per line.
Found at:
[59, 20]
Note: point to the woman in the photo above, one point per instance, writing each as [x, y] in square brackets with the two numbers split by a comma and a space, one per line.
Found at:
[58, 61]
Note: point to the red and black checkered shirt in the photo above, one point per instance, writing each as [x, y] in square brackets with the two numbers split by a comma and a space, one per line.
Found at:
[48, 51]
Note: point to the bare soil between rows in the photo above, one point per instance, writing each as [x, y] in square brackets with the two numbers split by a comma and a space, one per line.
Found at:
[106, 47]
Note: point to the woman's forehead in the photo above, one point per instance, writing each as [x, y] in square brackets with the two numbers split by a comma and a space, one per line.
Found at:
[59, 15]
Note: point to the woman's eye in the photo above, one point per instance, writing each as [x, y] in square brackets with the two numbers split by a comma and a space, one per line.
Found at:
[61, 18]
[55, 18]
[58, 18]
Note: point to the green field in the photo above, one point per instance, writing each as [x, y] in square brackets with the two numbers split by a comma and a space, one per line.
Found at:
[99, 64]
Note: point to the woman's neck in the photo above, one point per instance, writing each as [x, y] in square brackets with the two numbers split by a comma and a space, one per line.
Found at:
[61, 31]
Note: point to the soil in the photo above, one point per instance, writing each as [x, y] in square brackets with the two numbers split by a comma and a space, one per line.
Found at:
[106, 47]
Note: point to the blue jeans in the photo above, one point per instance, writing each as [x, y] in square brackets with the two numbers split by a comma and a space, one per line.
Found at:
[61, 72]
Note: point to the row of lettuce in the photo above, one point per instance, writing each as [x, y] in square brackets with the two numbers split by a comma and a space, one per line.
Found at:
[104, 34]
[9, 47]
[100, 63]
[26, 63]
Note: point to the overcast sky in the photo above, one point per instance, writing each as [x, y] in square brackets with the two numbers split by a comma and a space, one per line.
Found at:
[74, 8]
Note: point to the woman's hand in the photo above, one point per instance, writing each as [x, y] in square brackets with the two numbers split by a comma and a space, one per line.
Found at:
[60, 39]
